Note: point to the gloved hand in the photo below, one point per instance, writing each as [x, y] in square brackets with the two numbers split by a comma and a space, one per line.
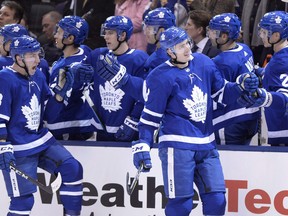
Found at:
[141, 154]
[128, 130]
[83, 73]
[64, 85]
[247, 82]
[6, 156]
[261, 98]
[110, 69]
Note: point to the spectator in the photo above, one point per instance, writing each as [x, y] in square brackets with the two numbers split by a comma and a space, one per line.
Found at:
[49, 22]
[214, 7]
[10, 13]
[179, 93]
[134, 9]
[238, 125]
[198, 21]
[118, 112]
[273, 96]
[24, 140]
[74, 123]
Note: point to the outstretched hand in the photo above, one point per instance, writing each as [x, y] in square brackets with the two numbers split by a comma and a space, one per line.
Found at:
[247, 82]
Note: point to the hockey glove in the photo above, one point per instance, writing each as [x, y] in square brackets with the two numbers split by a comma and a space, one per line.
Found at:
[247, 82]
[110, 69]
[141, 154]
[128, 130]
[6, 156]
[64, 85]
[83, 73]
[262, 98]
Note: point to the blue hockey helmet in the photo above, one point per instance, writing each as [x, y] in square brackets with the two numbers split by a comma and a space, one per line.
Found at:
[23, 44]
[11, 31]
[227, 23]
[76, 26]
[161, 17]
[276, 21]
[118, 23]
[172, 36]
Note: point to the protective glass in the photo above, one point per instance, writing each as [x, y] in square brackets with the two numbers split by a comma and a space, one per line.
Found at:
[212, 33]
[263, 33]
[150, 30]
[183, 46]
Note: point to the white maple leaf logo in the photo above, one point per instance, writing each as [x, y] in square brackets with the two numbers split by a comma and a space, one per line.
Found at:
[197, 107]
[32, 113]
[110, 97]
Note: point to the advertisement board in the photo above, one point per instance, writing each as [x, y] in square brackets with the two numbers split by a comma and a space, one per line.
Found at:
[256, 182]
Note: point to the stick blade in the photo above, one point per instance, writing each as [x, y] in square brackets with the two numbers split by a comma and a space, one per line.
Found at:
[56, 184]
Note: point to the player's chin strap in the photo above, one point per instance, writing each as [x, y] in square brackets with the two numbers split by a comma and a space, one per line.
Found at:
[174, 61]
[119, 44]
[24, 67]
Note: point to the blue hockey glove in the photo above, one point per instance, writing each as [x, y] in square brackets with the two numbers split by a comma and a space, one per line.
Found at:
[261, 98]
[141, 154]
[64, 85]
[128, 130]
[83, 73]
[247, 82]
[6, 156]
[109, 69]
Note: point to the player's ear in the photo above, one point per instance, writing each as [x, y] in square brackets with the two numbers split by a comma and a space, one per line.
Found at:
[170, 53]
[122, 36]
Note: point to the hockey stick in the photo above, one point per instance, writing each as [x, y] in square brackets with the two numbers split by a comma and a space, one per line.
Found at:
[91, 104]
[130, 188]
[52, 188]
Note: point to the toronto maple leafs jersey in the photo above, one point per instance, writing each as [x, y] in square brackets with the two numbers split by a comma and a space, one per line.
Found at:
[182, 100]
[21, 112]
[232, 63]
[275, 80]
[77, 117]
[6, 61]
[114, 105]
[156, 58]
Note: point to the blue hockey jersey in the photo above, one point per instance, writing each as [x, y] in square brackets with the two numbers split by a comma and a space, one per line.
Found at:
[77, 117]
[232, 63]
[182, 100]
[21, 111]
[275, 80]
[114, 105]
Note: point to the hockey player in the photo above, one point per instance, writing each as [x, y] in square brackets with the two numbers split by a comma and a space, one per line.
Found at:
[118, 112]
[237, 125]
[7, 33]
[179, 93]
[75, 121]
[154, 23]
[273, 30]
[23, 139]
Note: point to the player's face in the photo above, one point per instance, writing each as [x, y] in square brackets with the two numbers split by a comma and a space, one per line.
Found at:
[110, 36]
[7, 16]
[58, 36]
[48, 27]
[150, 33]
[264, 35]
[32, 60]
[183, 51]
[213, 35]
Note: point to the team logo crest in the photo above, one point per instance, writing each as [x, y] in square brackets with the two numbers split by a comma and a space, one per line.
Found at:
[32, 113]
[110, 97]
[197, 106]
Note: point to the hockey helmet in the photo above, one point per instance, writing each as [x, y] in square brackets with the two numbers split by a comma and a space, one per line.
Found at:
[172, 36]
[161, 17]
[118, 23]
[76, 26]
[11, 31]
[227, 23]
[24, 44]
[276, 21]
